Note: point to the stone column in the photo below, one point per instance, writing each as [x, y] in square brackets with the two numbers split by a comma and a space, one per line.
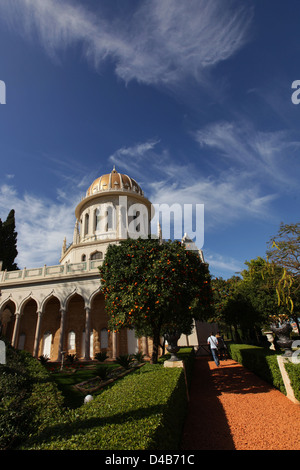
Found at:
[62, 333]
[37, 334]
[87, 334]
[15, 337]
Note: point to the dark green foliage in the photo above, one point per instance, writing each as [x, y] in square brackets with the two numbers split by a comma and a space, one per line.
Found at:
[144, 410]
[124, 361]
[8, 242]
[138, 357]
[27, 397]
[71, 358]
[103, 371]
[154, 288]
[101, 356]
[261, 361]
[43, 359]
[14, 385]
[293, 371]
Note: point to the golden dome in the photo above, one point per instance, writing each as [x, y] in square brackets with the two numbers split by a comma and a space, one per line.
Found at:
[114, 181]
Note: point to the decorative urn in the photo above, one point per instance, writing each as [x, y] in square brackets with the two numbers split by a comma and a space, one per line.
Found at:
[283, 334]
[173, 348]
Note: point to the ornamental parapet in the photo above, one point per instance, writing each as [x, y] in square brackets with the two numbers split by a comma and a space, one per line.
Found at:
[89, 267]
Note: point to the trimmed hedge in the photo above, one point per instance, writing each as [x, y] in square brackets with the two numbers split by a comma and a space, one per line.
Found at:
[28, 398]
[144, 410]
[293, 371]
[259, 360]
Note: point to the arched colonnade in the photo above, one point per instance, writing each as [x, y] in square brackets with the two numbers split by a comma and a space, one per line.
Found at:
[55, 323]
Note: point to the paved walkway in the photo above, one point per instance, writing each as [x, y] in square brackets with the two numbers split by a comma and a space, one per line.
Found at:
[231, 408]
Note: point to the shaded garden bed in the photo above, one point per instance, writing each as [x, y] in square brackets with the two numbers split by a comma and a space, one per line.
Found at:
[96, 383]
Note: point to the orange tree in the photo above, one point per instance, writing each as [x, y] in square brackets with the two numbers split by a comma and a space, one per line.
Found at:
[154, 288]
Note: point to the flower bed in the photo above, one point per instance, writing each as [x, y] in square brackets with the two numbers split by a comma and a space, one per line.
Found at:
[96, 383]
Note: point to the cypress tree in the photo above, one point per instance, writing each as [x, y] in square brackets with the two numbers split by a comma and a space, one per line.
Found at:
[8, 242]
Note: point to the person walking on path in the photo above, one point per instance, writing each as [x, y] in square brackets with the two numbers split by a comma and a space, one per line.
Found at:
[222, 348]
[213, 344]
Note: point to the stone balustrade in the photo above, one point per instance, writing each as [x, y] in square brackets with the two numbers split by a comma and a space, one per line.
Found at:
[50, 272]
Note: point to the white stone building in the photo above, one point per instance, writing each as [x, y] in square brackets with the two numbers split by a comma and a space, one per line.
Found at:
[55, 309]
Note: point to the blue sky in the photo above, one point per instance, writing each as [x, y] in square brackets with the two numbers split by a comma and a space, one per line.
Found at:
[191, 98]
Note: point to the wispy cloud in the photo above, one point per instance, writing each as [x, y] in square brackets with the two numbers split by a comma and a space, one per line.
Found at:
[41, 225]
[132, 158]
[158, 43]
[263, 156]
[228, 196]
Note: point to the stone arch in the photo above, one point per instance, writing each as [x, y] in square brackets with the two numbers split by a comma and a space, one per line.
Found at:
[75, 321]
[75, 292]
[96, 255]
[30, 297]
[50, 323]
[50, 297]
[93, 295]
[27, 322]
[99, 321]
[5, 302]
[7, 318]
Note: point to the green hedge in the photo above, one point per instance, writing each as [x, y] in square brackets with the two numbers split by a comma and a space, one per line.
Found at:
[259, 360]
[293, 371]
[28, 398]
[144, 410]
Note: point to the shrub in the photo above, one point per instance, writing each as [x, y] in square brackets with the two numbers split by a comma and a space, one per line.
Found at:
[28, 397]
[138, 356]
[43, 359]
[143, 411]
[71, 358]
[103, 371]
[124, 361]
[293, 371]
[101, 356]
[259, 360]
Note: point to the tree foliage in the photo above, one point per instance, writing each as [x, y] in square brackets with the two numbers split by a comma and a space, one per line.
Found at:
[223, 290]
[233, 304]
[284, 251]
[8, 242]
[284, 248]
[269, 288]
[262, 280]
[154, 288]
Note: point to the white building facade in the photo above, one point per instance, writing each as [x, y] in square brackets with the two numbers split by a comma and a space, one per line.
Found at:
[60, 309]
[56, 309]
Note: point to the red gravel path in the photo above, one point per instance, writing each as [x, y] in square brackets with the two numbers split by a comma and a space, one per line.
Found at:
[231, 408]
